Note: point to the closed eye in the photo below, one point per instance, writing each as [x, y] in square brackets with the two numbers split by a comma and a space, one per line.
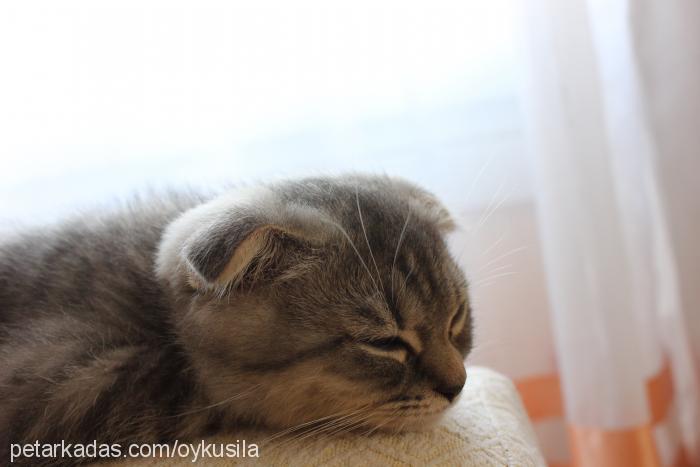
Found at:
[388, 344]
[391, 347]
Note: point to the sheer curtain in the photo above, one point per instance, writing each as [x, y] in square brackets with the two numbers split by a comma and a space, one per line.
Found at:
[612, 104]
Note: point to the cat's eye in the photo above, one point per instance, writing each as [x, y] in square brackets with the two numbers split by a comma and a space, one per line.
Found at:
[388, 347]
[388, 344]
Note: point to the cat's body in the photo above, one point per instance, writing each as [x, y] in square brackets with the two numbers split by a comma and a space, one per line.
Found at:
[87, 344]
[181, 316]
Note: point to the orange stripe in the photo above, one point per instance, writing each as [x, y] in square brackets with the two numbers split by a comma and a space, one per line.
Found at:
[660, 394]
[602, 448]
[682, 459]
[558, 464]
[634, 447]
[541, 396]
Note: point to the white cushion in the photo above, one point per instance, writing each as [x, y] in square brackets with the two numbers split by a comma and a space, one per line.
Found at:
[487, 427]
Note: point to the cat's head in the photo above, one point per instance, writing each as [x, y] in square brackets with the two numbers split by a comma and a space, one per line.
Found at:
[329, 299]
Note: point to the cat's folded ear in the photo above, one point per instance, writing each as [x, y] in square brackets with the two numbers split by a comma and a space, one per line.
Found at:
[224, 241]
[426, 205]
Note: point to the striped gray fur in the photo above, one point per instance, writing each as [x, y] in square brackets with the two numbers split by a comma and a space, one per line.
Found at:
[275, 305]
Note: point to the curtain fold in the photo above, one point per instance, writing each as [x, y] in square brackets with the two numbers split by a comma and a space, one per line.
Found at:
[616, 158]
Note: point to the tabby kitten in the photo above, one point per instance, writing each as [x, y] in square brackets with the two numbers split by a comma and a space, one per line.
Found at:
[274, 306]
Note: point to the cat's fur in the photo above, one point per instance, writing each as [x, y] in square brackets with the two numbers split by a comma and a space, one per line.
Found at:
[185, 314]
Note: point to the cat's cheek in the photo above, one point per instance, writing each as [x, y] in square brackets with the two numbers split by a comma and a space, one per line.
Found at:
[303, 393]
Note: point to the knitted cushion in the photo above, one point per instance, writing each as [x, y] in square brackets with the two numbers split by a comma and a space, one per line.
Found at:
[487, 427]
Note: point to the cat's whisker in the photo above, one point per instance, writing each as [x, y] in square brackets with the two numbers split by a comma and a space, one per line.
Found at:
[478, 176]
[348, 425]
[495, 274]
[240, 395]
[321, 428]
[330, 418]
[333, 429]
[494, 244]
[352, 244]
[388, 419]
[396, 253]
[403, 425]
[481, 272]
[503, 256]
[405, 280]
[361, 414]
[494, 200]
[493, 277]
[364, 231]
[483, 221]
[294, 428]
[305, 424]
[488, 284]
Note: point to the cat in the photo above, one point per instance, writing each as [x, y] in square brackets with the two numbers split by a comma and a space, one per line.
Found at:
[275, 305]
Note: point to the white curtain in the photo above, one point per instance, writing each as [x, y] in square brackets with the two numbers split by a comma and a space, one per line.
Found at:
[612, 101]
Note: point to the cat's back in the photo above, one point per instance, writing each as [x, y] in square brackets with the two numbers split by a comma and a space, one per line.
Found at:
[96, 266]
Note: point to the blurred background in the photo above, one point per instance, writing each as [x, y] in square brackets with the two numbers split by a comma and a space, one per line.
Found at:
[562, 134]
[103, 99]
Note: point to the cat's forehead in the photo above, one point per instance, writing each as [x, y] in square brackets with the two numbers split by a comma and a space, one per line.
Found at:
[419, 291]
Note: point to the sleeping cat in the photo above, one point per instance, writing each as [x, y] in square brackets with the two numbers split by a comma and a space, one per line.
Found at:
[278, 305]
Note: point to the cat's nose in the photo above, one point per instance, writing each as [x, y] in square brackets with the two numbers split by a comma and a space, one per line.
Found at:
[449, 392]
